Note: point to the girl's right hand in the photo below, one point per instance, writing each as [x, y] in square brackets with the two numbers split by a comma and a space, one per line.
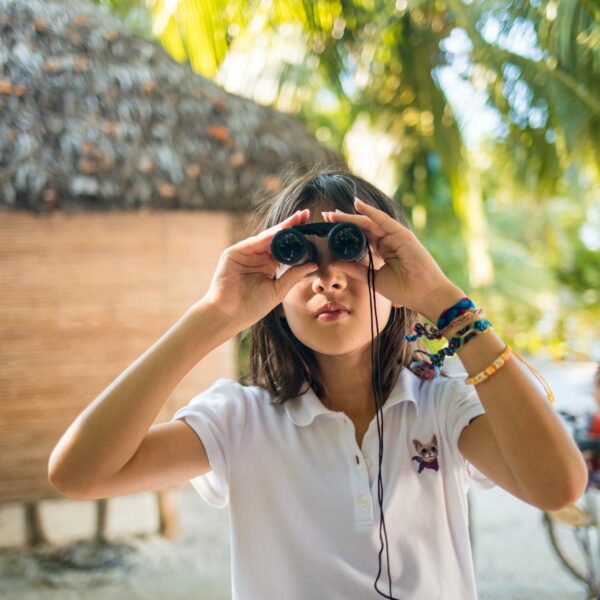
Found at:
[243, 287]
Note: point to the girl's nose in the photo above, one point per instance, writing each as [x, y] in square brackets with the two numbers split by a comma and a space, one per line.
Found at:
[328, 277]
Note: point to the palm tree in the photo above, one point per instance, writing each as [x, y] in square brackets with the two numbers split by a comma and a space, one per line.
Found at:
[383, 60]
[339, 64]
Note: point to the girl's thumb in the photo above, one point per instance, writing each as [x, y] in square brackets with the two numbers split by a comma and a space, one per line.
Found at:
[292, 276]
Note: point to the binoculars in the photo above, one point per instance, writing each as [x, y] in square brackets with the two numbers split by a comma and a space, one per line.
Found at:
[346, 241]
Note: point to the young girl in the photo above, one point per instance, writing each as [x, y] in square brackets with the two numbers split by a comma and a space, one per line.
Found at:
[297, 453]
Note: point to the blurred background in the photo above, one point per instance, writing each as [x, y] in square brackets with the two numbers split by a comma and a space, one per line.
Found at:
[482, 119]
[133, 135]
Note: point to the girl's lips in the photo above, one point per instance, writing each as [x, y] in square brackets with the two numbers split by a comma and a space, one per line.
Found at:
[331, 307]
[333, 316]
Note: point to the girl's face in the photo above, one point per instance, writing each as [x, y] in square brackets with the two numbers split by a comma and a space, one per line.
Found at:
[348, 334]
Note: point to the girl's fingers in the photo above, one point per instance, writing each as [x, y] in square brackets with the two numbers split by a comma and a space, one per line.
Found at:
[383, 220]
[363, 221]
[252, 260]
[261, 243]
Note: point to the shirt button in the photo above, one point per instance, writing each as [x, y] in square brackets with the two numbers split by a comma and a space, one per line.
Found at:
[369, 463]
[363, 502]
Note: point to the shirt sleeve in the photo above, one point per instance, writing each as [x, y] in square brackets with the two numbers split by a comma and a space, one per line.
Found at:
[217, 416]
[463, 406]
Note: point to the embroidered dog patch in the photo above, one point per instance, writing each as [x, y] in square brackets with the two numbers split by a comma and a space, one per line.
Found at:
[427, 457]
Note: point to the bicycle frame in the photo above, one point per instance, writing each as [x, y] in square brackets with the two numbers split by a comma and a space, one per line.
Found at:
[579, 522]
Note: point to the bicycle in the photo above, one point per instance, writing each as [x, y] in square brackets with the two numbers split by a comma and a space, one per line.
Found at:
[574, 531]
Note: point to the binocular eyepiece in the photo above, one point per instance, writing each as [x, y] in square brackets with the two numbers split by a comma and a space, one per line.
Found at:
[346, 241]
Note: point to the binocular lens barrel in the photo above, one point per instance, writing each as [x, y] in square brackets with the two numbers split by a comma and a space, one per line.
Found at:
[290, 247]
[346, 242]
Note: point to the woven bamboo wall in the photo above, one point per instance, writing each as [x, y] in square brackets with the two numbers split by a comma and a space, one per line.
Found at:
[82, 296]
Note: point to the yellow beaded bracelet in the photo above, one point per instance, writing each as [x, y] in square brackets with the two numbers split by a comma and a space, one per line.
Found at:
[490, 369]
[500, 362]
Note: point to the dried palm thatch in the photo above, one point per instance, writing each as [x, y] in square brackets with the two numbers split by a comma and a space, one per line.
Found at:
[94, 118]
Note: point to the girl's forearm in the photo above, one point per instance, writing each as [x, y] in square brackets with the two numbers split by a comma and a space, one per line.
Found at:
[107, 433]
[537, 448]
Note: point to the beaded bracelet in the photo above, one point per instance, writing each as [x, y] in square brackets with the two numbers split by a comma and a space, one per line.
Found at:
[497, 364]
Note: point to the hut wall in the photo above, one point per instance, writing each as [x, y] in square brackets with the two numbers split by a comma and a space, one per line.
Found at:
[83, 295]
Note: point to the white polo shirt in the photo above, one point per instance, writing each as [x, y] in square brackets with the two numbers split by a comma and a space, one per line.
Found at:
[304, 509]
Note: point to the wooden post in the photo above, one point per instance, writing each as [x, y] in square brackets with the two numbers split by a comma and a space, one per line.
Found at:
[101, 519]
[168, 504]
[33, 523]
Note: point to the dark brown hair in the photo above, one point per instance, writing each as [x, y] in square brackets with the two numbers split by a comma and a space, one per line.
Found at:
[278, 361]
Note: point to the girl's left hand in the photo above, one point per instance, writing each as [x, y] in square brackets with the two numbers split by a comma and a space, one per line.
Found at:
[410, 276]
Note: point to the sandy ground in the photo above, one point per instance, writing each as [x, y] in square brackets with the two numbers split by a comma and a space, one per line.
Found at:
[513, 557]
[196, 565]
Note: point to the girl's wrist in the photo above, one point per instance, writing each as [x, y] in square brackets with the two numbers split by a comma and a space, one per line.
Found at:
[225, 324]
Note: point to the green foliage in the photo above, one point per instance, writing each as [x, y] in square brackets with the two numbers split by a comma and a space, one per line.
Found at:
[520, 199]
[548, 94]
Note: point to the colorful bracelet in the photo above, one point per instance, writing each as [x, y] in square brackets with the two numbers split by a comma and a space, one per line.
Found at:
[457, 309]
[432, 333]
[452, 317]
[472, 312]
[468, 332]
[426, 329]
[427, 370]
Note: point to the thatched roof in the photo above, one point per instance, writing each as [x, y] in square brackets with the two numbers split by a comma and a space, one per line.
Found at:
[94, 117]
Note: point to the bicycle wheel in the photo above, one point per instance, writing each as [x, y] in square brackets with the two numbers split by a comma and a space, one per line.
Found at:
[573, 533]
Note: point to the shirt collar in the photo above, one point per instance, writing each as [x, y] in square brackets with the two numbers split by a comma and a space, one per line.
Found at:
[303, 409]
